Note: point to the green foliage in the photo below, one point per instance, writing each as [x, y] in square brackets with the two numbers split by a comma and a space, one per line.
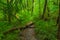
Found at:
[20, 12]
[46, 29]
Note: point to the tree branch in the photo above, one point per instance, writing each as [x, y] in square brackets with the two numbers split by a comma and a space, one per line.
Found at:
[19, 28]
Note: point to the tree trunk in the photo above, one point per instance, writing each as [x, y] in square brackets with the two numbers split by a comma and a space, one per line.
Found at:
[39, 6]
[9, 11]
[44, 10]
[58, 33]
[32, 7]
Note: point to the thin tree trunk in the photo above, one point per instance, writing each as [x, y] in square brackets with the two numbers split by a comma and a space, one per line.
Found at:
[48, 11]
[44, 10]
[39, 6]
[32, 7]
[8, 11]
[27, 5]
[58, 33]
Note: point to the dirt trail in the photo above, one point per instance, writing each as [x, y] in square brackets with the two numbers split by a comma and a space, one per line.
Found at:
[28, 34]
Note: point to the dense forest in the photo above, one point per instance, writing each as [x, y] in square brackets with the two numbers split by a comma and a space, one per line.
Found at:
[29, 20]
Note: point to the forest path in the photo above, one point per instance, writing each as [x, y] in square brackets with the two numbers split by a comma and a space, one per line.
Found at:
[28, 34]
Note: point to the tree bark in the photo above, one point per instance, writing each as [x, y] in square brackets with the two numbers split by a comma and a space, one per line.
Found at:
[39, 6]
[32, 7]
[58, 33]
[9, 11]
[44, 10]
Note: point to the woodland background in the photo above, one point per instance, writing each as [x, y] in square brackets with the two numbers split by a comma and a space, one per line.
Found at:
[17, 14]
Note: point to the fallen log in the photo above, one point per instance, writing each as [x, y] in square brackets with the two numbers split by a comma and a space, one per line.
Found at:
[18, 28]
